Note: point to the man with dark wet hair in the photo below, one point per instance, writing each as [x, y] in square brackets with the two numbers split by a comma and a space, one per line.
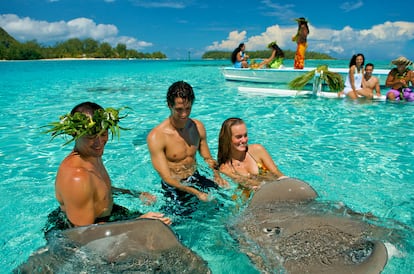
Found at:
[173, 146]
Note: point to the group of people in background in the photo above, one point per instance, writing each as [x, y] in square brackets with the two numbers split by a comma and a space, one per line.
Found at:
[241, 60]
[360, 83]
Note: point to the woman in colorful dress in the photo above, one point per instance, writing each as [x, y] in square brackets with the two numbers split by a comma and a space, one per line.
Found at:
[301, 40]
[276, 58]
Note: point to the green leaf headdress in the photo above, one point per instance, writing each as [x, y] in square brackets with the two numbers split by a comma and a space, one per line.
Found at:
[79, 124]
[272, 44]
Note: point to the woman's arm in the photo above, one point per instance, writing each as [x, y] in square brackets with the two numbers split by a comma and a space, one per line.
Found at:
[260, 154]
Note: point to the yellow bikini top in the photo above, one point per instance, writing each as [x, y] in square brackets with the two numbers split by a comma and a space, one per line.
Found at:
[262, 169]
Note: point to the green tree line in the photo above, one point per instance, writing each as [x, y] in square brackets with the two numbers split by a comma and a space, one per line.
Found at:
[261, 54]
[11, 49]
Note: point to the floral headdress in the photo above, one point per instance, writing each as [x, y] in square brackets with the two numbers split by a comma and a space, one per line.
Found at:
[79, 124]
[272, 44]
[402, 61]
[301, 20]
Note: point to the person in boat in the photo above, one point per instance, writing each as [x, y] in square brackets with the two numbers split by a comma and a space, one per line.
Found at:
[371, 82]
[276, 58]
[239, 58]
[399, 79]
[83, 187]
[301, 41]
[173, 146]
[247, 164]
[354, 83]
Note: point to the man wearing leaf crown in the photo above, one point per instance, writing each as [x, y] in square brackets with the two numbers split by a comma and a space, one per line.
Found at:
[83, 187]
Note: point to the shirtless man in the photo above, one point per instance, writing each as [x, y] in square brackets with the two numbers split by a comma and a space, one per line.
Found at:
[83, 187]
[371, 82]
[173, 146]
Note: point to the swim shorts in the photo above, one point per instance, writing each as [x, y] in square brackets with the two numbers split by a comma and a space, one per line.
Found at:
[406, 94]
[181, 202]
[57, 219]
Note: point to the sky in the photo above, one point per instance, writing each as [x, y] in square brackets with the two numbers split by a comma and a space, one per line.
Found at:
[381, 30]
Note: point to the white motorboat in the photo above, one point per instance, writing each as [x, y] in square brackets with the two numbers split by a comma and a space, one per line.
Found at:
[284, 75]
[277, 92]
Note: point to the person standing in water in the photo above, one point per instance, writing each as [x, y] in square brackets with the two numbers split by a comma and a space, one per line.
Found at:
[247, 164]
[82, 186]
[173, 146]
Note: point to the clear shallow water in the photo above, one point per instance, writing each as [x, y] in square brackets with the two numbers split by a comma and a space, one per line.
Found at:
[357, 153]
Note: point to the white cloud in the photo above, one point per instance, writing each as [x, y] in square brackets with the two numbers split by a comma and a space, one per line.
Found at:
[25, 29]
[349, 6]
[387, 39]
[130, 42]
[282, 12]
[84, 27]
[233, 40]
[159, 4]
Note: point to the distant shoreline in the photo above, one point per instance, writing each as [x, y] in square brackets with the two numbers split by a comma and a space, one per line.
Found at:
[85, 59]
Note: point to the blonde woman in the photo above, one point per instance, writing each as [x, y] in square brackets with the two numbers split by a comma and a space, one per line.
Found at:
[248, 165]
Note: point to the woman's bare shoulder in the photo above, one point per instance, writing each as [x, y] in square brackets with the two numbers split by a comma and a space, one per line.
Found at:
[256, 147]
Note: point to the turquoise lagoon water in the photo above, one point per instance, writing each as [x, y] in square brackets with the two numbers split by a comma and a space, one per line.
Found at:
[357, 153]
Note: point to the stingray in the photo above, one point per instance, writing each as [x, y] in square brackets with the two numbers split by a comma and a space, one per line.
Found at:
[138, 246]
[285, 230]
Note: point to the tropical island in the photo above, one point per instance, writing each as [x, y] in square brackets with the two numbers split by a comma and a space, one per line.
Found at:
[75, 48]
[11, 49]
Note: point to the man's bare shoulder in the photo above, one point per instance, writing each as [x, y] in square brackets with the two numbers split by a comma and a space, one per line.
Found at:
[73, 170]
[160, 127]
[196, 121]
[198, 124]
